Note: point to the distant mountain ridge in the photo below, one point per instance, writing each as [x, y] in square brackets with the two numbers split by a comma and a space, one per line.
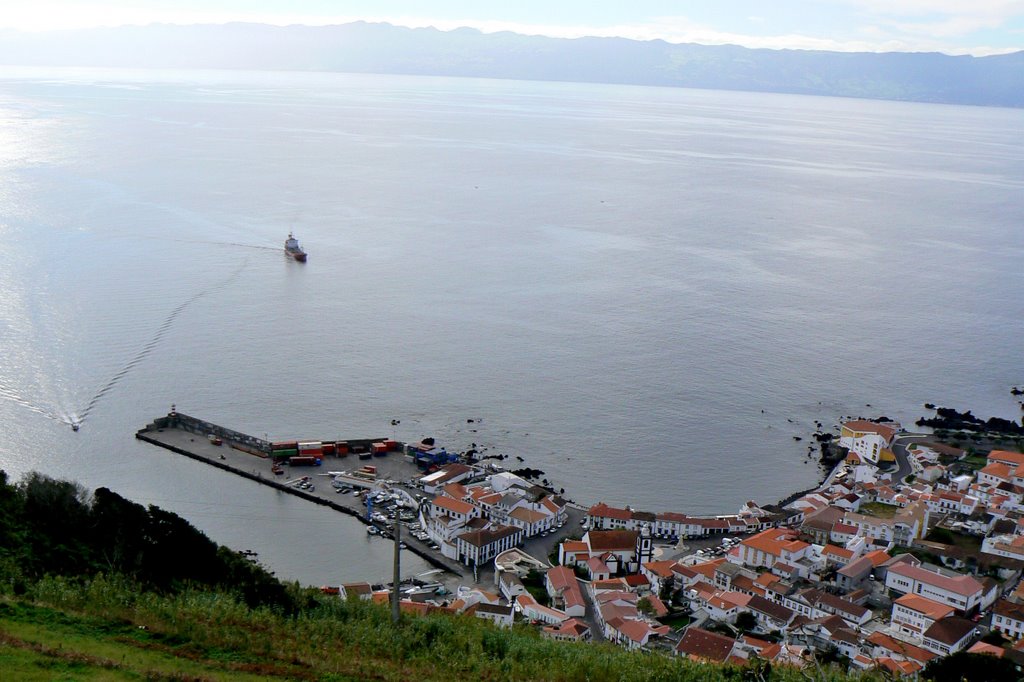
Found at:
[382, 48]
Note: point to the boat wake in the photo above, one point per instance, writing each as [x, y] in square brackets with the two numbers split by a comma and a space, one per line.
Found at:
[150, 346]
[12, 395]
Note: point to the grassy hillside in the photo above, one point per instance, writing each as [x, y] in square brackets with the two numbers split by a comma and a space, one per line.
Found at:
[105, 629]
[94, 587]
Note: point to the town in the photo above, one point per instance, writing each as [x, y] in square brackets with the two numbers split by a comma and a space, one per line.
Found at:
[910, 550]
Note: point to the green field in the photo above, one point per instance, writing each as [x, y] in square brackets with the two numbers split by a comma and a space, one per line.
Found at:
[104, 629]
[882, 511]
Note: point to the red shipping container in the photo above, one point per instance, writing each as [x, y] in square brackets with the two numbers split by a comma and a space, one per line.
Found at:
[329, 448]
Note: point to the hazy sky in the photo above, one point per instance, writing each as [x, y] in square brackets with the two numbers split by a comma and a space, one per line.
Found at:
[953, 26]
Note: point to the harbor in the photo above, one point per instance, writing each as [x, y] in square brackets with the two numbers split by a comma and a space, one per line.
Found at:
[340, 475]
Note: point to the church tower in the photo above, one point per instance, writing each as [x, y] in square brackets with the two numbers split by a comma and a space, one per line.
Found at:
[644, 546]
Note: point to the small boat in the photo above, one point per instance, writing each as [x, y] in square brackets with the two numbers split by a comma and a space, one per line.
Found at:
[292, 248]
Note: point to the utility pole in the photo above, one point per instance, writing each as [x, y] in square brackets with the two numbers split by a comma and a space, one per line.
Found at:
[395, 611]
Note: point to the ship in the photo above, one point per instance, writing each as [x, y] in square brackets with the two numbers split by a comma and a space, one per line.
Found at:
[292, 248]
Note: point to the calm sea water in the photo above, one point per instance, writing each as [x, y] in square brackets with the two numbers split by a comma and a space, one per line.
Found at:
[645, 292]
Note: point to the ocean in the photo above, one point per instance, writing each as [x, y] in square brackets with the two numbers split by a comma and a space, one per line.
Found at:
[647, 293]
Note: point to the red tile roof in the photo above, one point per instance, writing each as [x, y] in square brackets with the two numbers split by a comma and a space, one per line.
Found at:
[963, 585]
[704, 645]
[864, 426]
[612, 540]
[454, 506]
[927, 607]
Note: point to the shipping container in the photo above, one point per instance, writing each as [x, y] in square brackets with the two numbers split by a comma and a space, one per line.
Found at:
[378, 448]
[283, 454]
[328, 448]
[369, 468]
[341, 447]
[305, 461]
[285, 445]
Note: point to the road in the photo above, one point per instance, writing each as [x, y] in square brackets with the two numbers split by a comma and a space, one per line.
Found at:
[899, 448]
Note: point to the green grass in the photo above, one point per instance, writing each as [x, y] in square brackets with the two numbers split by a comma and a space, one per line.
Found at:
[974, 462]
[105, 629]
[48, 639]
[880, 510]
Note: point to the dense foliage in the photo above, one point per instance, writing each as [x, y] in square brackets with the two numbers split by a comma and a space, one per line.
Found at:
[50, 527]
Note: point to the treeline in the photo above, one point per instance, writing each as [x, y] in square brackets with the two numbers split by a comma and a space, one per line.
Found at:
[56, 528]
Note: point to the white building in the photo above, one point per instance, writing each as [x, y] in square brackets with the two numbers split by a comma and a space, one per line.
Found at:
[912, 615]
[949, 635]
[477, 547]
[1008, 618]
[962, 592]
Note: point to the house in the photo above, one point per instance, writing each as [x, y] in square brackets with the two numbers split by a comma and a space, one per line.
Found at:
[499, 614]
[461, 511]
[962, 592]
[814, 603]
[704, 646]
[597, 569]
[912, 615]
[603, 517]
[449, 473]
[632, 633]
[477, 547]
[1008, 618]
[1009, 546]
[572, 630]
[725, 606]
[564, 589]
[510, 585]
[855, 574]
[726, 572]
[1010, 459]
[770, 615]
[769, 547]
[987, 649]
[573, 552]
[659, 574]
[531, 521]
[534, 611]
[620, 547]
[949, 635]
[859, 428]
[905, 526]
[881, 645]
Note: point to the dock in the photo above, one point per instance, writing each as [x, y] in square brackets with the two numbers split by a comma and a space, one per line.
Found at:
[249, 457]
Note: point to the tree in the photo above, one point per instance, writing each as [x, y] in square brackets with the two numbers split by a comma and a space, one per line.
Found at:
[746, 621]
[965, 667]
[940, 535]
